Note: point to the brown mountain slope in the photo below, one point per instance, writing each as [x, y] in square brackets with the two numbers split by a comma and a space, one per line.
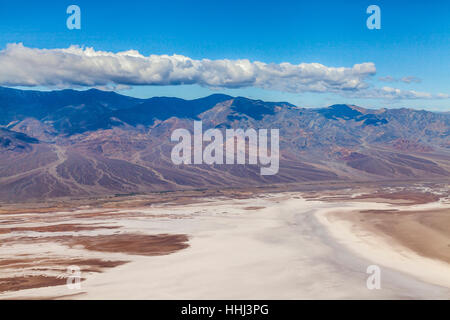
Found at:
[38, 161]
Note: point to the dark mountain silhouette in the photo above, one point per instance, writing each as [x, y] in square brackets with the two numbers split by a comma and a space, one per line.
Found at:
[19, 104]
[163, 108]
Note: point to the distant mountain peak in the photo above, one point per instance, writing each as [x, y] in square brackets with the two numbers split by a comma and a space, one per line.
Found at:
[340, 111]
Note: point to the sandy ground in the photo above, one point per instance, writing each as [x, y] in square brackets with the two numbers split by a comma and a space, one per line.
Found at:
[272, 246]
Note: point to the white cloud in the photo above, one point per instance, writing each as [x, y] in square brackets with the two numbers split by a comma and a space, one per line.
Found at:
[86, 67]
[395, 93]
[443, 96]
[408, 79]
[387, 79]
[75, 66]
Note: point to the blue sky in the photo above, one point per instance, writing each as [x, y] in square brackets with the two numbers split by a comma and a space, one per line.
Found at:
[414, 40]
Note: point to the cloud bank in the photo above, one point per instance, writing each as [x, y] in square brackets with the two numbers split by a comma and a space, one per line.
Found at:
[86, 67]
[394, 93]
[75, 66]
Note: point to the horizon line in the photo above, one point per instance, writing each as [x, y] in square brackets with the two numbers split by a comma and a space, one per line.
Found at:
[85, 89]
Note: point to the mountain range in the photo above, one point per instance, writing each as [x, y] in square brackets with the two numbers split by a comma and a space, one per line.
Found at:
[72, 143]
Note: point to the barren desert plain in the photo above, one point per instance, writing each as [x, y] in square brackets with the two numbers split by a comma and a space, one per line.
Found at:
[291, 242]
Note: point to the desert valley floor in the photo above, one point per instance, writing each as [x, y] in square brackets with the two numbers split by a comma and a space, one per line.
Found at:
[232, 244]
